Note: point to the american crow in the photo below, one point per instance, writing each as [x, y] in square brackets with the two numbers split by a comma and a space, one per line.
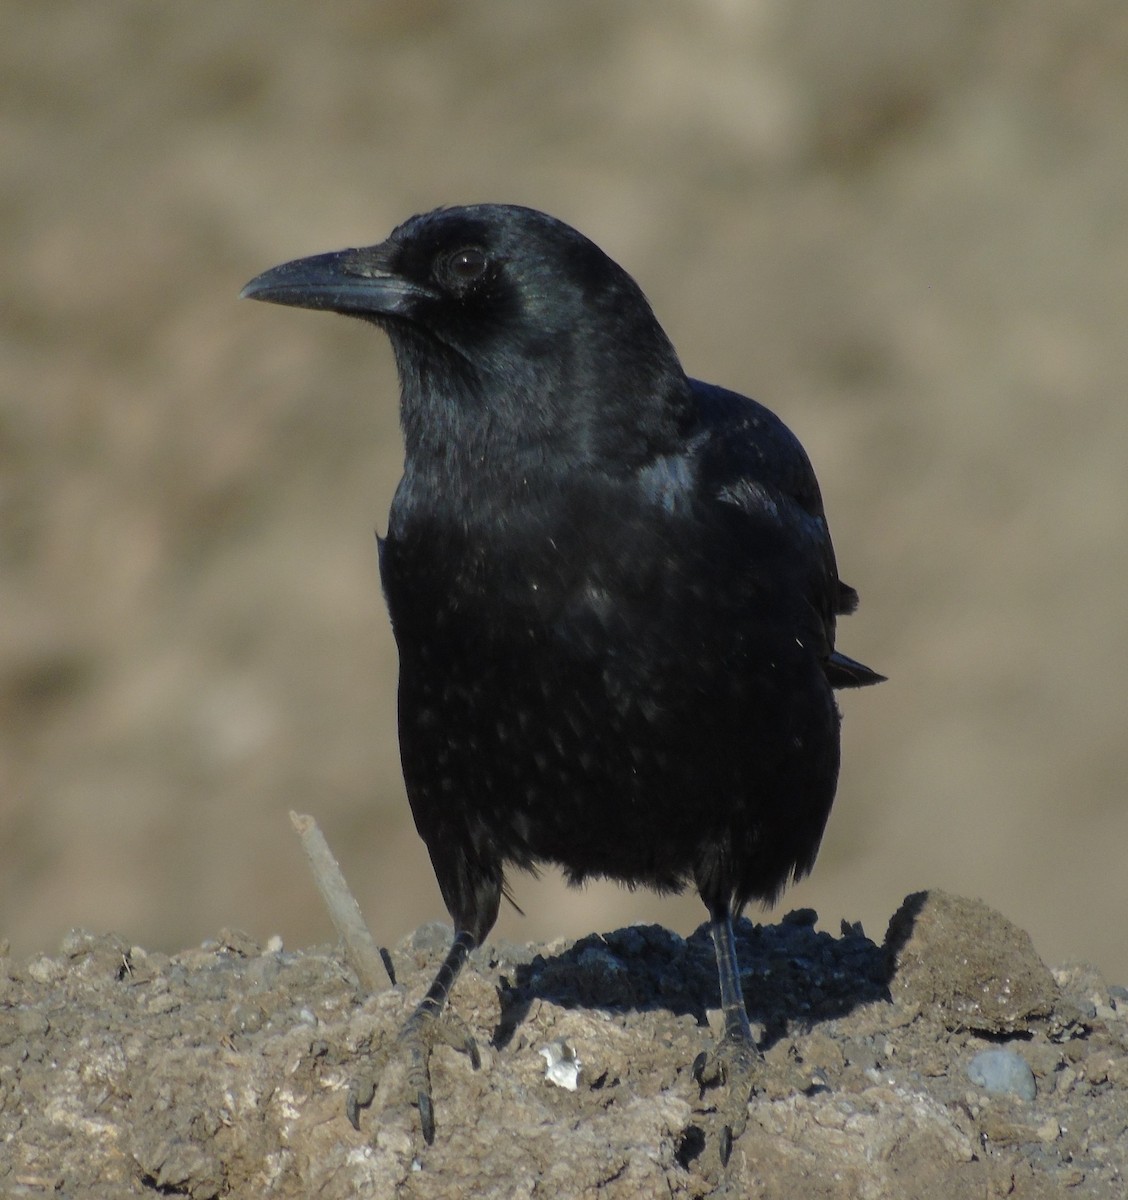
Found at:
[612, 588]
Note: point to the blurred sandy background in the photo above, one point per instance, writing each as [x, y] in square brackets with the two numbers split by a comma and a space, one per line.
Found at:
[903, 225]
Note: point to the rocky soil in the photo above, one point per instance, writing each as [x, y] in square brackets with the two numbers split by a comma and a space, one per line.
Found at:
[223, 1070]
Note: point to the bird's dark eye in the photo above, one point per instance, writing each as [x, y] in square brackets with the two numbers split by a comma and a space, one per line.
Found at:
[466, 265]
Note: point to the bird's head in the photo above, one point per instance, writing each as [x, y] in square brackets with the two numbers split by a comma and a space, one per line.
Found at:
[512, 333]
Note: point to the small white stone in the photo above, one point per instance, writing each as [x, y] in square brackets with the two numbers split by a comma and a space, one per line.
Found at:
[562, 1066]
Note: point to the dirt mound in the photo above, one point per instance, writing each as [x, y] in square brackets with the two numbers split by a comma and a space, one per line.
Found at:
[223, 1070]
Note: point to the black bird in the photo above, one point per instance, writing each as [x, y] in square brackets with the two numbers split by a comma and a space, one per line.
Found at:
[612, 587]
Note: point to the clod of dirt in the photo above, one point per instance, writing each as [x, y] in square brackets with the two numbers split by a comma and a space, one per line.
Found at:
[966, 965]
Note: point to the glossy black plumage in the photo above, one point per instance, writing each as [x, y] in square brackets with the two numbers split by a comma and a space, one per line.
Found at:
[612, 587]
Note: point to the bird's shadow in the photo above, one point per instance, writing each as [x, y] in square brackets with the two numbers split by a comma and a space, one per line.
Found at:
[792, 974]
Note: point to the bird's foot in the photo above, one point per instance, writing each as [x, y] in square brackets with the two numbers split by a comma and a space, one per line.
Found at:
[732, 1066]
[406, 1068]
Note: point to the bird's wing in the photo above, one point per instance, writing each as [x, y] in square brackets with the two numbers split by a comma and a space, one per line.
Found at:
[752, 445]
[757, 464]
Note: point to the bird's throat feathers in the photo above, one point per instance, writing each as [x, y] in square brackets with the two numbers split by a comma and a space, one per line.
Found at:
[548, 418]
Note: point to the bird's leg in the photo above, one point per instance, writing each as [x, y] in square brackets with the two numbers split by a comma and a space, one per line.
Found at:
[733, 1060]
[417, 1037]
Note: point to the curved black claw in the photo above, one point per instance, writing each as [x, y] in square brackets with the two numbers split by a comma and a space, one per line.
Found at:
[426, 1115]
[724, 1143]
[451, 1030]
[424, 1028]
[730, 1065]
[710, 1070]
[361, 1092]
[419, 1035]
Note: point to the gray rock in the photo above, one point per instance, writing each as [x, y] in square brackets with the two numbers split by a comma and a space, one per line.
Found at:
[1002, 1073]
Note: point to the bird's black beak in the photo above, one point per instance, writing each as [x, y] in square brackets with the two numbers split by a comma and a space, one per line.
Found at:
[357, 282]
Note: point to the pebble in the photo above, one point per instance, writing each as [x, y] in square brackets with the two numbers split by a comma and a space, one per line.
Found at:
[1002, 1073]
[1048, 1131]
[45, 970]
[76, 942]
[562, 1064]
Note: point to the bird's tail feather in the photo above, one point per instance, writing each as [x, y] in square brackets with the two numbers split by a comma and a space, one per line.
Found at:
[845, 672]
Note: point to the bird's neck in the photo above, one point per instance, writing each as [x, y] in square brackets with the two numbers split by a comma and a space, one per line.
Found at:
[465, 432]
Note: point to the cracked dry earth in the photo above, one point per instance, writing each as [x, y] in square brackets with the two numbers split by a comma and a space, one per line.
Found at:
[222, 1071]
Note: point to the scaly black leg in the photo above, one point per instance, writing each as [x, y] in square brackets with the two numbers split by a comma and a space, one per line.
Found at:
[733, 1060]
[417, 1038]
